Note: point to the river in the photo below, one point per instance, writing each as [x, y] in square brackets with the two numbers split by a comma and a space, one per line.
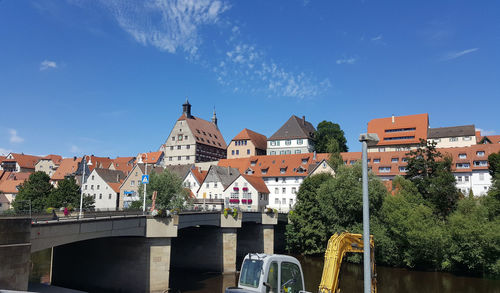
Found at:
[390, 280]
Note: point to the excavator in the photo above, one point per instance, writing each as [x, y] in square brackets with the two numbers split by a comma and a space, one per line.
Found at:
[277, 273]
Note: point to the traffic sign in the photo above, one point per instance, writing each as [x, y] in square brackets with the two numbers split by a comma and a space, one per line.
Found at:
[145, 179]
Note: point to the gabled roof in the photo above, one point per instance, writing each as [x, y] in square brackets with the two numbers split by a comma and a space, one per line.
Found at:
[151, 157]
[10, 186]
[489, 139]
[199, 175]
[205, 132]
[180, 170]
[110, 176]
[24, 161]
[98, 162]
[151, 169]
[466, 130]
[259, 140]
[226, 175]
[257, 182]
[67, 167]
[54, 158]
[294, 128]
[274, 163]
[400, 130]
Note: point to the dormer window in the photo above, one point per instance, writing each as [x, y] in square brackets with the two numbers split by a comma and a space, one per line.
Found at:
[376, 161]
[253, 163]
[304, 161]
[462, 156]
[480, 153]
[282, 170]
[394, 160]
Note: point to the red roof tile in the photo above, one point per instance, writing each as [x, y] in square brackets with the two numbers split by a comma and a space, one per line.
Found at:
[257, 182]
[205, 132]
[24, 161]
[259, 140]
[150, 158]
[67, 167]
[409, 128]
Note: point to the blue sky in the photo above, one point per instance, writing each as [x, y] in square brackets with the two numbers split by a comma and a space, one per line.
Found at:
[109, 77]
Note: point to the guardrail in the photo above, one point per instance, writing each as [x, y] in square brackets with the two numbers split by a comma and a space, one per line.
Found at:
[37, 217]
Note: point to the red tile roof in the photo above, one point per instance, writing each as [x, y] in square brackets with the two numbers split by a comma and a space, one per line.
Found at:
[124, 164]
[409, 128]
[257, 182]
[273, 164]
[10, 186]
[98, 162]
[259, 140]
[150, 158]
[54, 158]
[199, 174]
[24, 161]
[205, 132]
[67, 167]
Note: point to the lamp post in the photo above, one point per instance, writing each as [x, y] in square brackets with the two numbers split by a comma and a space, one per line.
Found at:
[145, 184]
[84, 166]
[366, 139]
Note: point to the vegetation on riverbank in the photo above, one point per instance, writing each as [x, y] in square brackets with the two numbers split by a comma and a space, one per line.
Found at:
[425, 224]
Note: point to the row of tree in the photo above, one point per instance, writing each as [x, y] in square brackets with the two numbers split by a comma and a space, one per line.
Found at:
[426, 224]
[38, 192]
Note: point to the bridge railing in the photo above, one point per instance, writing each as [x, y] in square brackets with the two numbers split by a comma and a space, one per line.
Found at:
[40, 217]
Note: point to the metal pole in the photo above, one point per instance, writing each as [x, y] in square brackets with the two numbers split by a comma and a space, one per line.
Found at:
[30, 208]
[366, 223]
[81, 189]
[145, 184]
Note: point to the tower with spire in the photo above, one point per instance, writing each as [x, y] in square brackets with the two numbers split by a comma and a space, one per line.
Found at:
[214, 119]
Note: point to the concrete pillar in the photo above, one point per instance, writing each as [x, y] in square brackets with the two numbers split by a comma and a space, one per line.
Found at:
[15, 252]
[268, 238]
[159, 264]
[229, 244]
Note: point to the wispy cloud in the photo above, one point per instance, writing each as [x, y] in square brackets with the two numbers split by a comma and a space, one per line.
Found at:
[14, 138]
[74, 149]
[377, 38]
[4, 152]
[175, 26]
[454, 55]
[166, 25]
[47, 64]
[486, 132]
[350, 60]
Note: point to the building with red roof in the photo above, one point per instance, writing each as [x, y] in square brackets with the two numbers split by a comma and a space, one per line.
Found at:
[247, 143]
[48, 164]
[19, 163]
[193, 140]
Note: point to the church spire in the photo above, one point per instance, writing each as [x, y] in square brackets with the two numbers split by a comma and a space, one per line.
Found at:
[214, 118]
[186, 109]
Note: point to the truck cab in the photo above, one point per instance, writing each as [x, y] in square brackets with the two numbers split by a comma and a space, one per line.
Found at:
[265, 273]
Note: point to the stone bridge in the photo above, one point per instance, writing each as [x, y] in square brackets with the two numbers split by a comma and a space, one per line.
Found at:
[134, 253]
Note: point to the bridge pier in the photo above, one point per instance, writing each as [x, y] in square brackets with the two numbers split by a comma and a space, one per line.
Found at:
[15, 252]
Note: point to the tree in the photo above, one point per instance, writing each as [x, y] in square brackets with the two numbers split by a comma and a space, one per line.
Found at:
[494, 164]
[326, 131]
[36, 189]
[431, 174]
[170, 192]
[68, 194]
[335, 160]
[306, 232]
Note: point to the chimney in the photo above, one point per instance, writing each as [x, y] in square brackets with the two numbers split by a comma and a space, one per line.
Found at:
[314, 156]
[74, 158]
[228, 170]
[392, 118]
[186, 109]
[304, 120]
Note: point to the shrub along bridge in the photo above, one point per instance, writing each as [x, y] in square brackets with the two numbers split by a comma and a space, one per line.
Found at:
[89, 253]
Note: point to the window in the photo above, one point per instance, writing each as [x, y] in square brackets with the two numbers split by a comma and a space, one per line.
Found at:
[481, 163]
[169, 158]
[86, 186]
[291, 277]
[404, 160]
[399, 137]
[297, 151]
[299, 141]
[100, 195]
[171, 148]
[208, 185]
[463, 165]
[403, 169]
[272, 277]
[250, 273]
[98, 187]
[92, 177]
[480, 153]
[459, 178]
[466, 138]
[232, 152]
[132, 183]
[187, 157]
[237, 152]
[215, 184]
[400, 129]
[282, 170]
[248, 152]
[288, 142]
[283, 190]
[384, 169]
[91, 187]
[173, 138]
[294, 190]
[291, 201]
[109, 196]
[394, 160]
[481, 176]
[272, 142]
[276, 201]
[273, 153]
[437, 140]
[462, 156]
[179, 158]
[352, 162]
[376, 161]
[185, 137]
[466, 178]
[276, 190]
[179, 147]
[283, 200]
[453, 139]
[381, 149]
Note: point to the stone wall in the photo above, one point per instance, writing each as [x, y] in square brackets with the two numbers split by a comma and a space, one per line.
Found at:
[15, 252]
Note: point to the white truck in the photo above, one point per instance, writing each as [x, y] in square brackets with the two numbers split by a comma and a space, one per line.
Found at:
[264, 273]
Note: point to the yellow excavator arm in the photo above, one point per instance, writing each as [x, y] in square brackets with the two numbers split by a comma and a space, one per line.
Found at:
[338, 246]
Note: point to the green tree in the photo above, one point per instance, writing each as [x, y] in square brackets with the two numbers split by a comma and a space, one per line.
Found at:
[335, 160]
[326, 131]
[68, 194]
[431, 174]
[306, 232]
[494, 164]
[36, 189]
[170, 192]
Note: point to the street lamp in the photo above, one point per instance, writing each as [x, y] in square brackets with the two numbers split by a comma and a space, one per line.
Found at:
[146, 173]
[366, 139]
[84, 166]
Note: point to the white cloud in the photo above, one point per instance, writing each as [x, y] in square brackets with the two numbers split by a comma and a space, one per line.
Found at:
[74, 149]
[351, 60]
[4, 152]
[377, 38]
[454, 55]
[166, 25]
[486, 132]
[14, 138]
[47, 64]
